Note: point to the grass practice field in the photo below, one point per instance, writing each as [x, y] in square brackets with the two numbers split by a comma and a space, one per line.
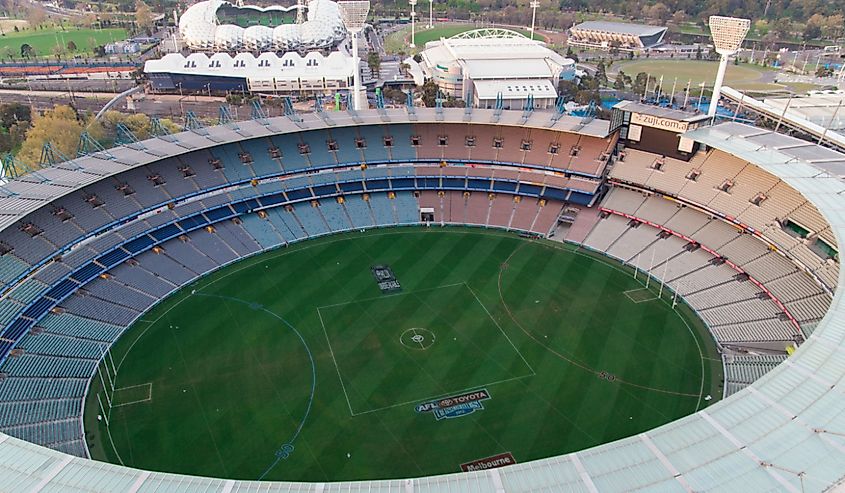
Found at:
[294, 365]
[744, 76]
[44, 41]
[399, 40]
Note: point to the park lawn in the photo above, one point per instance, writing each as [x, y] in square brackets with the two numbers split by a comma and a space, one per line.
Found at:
[697, 71]
[44, 41]
[293, 365]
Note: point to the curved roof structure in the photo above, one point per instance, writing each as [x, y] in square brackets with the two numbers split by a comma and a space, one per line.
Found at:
[784, 432]
[200, 27]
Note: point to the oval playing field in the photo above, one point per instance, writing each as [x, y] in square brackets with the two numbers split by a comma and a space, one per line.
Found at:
[295, 365]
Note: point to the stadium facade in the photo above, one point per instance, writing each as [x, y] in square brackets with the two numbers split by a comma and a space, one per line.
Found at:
[487, 65]
[623, 36]
[291, 72]
[89, 245]
[202, 29]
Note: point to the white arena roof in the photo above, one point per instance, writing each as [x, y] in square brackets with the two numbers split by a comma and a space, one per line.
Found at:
[291, 65]
[201, 29]
[514, 89]
[785, 432]
[495, 54]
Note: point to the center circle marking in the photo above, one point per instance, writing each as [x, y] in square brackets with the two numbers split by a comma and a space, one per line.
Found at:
[417, 338]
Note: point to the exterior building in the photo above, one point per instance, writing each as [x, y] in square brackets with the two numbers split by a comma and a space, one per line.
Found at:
[490, 65]
[620, 35]
[219, 25]
[122, 48]
[290, 73]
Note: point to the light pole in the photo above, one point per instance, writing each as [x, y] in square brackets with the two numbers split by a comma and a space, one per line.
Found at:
[728, 33]
[354, 14]
[413, 4]
[534, 4]
[430, 14]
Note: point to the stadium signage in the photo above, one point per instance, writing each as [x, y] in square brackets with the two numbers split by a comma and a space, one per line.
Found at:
[455, 406]
[657, 122]
[500, 460]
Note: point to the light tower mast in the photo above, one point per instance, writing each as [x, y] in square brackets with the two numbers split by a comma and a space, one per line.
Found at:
[300, 11]
[430, 14]
[534, 4]
[728, 33]
[354, 14]
[413, 4]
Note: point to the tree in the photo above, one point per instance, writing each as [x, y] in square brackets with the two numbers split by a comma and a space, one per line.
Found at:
[823, 71]
[9, 52]
[374, 62]
[58, 126]
[619, 83]
[35, 16]
[71, 46]
[143, 15]
[601, 73]
[429, 93]
[13, 113]
[27, 51]
[812, 31]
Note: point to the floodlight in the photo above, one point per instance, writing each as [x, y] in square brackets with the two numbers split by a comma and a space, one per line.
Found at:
[413, 3]
[354, 15]
[727, 33]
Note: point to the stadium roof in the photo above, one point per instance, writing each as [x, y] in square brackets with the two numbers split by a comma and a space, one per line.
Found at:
[777, 110]
[821, 108]
[514, 89]
[620, 28]
[523, 68]
[783, 433]
[767, 148]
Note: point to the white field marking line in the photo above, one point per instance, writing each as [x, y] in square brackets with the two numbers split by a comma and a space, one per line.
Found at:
[603, 259]
[334, 360]
[337, 368]
[426, 399]
[628, 294]
[251, 262]
[501, 330]
[403, 293]
[149, 397]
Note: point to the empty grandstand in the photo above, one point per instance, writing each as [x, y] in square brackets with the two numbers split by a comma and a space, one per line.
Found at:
[743, 226]
[622, 36]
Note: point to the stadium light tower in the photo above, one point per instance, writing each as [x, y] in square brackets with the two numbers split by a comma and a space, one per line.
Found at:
[430, 14]
[354, 14]
[728, 33]
[534, 4]
[413, 4]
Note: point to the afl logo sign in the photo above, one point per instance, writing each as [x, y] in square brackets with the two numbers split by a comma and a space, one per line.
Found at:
[456, 405]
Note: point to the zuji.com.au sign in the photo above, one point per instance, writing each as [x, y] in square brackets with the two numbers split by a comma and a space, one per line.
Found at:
[661, 123]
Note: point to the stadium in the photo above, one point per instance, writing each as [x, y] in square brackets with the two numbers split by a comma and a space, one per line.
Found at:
[221, 26]
[377, 300]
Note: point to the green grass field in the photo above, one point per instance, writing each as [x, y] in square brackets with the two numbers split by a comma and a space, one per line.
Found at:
[399, 40]
[744, 76]
[44, 41]
[293, 365]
